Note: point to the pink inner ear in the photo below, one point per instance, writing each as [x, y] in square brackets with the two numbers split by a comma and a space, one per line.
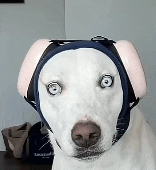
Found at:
[133, 66]
[29, 65]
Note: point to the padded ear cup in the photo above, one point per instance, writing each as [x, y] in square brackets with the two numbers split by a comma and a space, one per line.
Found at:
[133, 66]
[29, 65]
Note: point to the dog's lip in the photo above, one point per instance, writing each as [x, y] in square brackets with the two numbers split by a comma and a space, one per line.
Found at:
[88, 155]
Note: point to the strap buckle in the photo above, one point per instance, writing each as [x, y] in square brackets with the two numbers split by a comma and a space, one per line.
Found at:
[102, 40]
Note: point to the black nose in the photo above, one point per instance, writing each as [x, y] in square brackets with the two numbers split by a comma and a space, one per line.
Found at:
[85, 134]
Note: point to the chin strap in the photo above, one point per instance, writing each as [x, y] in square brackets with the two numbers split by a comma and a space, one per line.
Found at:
[135, 103]
[123, 123]
[33, 104]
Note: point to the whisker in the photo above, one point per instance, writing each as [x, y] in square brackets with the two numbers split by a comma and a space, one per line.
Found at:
[44, 144]
[120, 129]
[121, 118]
[45, 136]
[121, 123]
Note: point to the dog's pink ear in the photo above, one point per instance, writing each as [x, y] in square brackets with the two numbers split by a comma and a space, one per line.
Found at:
[29, 64]
[133, 66]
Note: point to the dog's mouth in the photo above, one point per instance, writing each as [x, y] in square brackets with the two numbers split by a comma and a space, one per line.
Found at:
[88, 156]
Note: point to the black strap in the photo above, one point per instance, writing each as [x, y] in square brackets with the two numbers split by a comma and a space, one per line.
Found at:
[30, 92]
[135, 103]
[33, 104]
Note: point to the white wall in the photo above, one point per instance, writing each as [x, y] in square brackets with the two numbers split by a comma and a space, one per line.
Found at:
[133, 20]
[20, 26]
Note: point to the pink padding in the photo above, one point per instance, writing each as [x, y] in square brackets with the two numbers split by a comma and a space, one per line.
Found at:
[29, 64]
[133, 67]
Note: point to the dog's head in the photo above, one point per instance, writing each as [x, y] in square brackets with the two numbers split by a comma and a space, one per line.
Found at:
[83, 93]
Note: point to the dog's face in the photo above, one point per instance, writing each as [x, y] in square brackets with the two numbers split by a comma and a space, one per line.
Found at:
[78, 86]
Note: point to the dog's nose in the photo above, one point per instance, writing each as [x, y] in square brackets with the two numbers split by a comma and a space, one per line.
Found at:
[85, 134]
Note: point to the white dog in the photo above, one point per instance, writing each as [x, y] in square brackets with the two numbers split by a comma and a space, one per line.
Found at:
[81, 97]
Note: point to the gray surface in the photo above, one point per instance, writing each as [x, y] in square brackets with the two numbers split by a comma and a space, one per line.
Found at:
[20, 26]
[133, 20]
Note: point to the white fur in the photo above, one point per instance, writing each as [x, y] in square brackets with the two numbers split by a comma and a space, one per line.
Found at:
[78, 71]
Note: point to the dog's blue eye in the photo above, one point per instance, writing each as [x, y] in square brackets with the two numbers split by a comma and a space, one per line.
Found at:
[53, 88]
[106, 81]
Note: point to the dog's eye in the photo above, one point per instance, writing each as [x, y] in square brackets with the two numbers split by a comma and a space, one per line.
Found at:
[106, 81]
[53, 88]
